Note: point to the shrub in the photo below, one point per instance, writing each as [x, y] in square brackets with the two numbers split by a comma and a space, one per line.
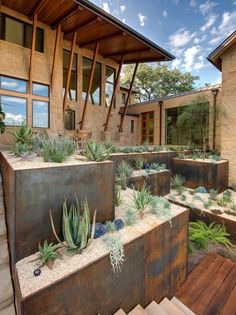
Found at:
[161, 208]
[130, 218]
[181, 156]
[23, 134]
[138, 163]
[116, 250]
[2, 123]
[117, 195]
[47, 253]
[227, 196]
[176, 183]
[141, 199]
[76, 226]
[96, 152]
[158, 167]
[124, 171]
[22, 150]
[213, 194]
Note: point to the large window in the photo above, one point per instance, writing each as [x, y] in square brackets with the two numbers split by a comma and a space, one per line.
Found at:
[20, 33]
[147, 127]
[15, 100]
[73, 80]
[110, 82]
[95, 94]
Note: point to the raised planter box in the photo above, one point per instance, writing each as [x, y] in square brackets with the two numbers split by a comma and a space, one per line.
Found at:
[158, 182]
[164, 157]
[202, 173]
[155, 267]
[30, 192]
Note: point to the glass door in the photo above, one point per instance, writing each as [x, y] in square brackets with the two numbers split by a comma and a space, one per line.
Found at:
[147, 126]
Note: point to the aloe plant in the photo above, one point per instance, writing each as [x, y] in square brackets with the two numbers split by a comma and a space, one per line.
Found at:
[141, 199]
[124, 171]
[76, 226]
[96, 152]
[47, 253]
[139, 162]
[23, 134]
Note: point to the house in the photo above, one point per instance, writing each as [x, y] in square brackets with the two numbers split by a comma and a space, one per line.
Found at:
[60, 67]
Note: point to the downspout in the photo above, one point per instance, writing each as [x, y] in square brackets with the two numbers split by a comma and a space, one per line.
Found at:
[214, 93]
[160, 122]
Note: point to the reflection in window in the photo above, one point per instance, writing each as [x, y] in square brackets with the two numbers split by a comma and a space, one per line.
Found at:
[40, 114]
[15, 110]
[110, 82]
[73, 80]
[95, 94]
[123, 98]
[40, 89]
[70, 119]
[12, 84]
[20, 33]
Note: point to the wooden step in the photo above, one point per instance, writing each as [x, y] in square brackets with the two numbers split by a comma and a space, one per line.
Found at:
[154, 309]
[170, 308]
[120, 312]
[138, 310]
[181, 306]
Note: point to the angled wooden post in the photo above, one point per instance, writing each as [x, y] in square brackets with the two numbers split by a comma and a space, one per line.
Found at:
[114, 93]
[89, 85]
[69, 71]
[32, 52]
[128, 97]
[56, 47]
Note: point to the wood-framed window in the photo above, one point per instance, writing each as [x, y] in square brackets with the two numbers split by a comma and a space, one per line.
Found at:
[18, 32]
[147, 127]
[109, 85]
[70, 119]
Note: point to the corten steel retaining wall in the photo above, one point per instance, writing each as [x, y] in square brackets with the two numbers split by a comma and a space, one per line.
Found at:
[158, 183]
[200, 173]
[155, 267]
[149, 157]
[31, 193]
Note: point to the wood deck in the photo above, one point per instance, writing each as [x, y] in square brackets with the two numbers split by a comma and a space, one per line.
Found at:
[211, 287]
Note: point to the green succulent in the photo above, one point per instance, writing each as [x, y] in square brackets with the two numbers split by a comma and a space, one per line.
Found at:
[23, 134]
[176, 183]
[96, 152]
[117, 195]
[47, 253]
[138, 163]
[124, 171]
[76, 226]
[158, 167]
[130, 218]
[227, 196]
[110, 226]
[213, 194]
[141, 199]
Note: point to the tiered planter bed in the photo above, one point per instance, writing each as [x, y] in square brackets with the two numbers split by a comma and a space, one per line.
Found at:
[158, 182]
[32, 189]
[202, 173]
[154, 267]
[162, 157]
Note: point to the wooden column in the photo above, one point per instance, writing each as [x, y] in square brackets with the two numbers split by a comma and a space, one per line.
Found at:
[114, 93]
[56, 47]
[69, 71]
[128, 97]
[32, 52]
[160, 122]
[89, 85]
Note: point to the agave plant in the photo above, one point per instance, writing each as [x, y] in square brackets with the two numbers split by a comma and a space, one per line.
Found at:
[176, 183]
[96, 152]
[124, 171]
[76, 226]
[139, 162]
[141, 199]
[47, 253]
[23, 134]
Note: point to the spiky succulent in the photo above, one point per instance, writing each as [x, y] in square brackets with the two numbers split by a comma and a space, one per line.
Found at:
[138, 163]
[130, 218]
[23, 134]
[110, 226]
[47, 253]
[141, 199]
[96, 152]
[117, 195]
[76, 229]
[124, 171]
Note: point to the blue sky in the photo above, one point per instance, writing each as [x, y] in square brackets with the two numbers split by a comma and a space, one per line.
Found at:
[189, 29]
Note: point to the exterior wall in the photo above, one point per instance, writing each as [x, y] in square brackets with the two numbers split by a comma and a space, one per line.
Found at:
[15, 61]
[228, 147]
[174, 102]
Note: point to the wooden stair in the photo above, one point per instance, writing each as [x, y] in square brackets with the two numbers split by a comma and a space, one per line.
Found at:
[165, 307]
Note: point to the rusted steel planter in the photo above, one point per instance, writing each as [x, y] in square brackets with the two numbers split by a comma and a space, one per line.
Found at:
[155, 267]
[30, 193]
[158, 182]
[202, 173]
[164, 157]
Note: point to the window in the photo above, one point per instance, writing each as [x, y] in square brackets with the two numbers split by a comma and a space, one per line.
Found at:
[70, 119]
[15, 109]
[123, 98]
[110, 82]
[20, 33]
[73, 79]
[132, 126]
[40, 114]
[95, 94]
[147, 127]
[12, 84]
[40, 89]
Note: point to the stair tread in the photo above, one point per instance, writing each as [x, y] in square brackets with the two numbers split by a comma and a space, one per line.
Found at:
[154, 309]
[170, 308]
[182, 306]
[138, 310]
[120, 312]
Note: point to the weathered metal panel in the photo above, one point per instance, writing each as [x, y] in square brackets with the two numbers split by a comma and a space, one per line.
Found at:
[197, 173]
[159, 183]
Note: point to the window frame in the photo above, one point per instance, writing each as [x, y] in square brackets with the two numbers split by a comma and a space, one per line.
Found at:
[32, 110]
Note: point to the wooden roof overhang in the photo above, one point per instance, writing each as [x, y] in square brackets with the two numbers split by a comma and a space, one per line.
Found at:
[92, 25]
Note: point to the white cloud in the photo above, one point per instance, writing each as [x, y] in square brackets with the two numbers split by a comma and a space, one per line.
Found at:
[142, 19]
[105, 7]
[124, 20]
[176, 63]
[165, 13]
[189, 56]
[234, 2]
[196, 40]
[207, 6]
[180, 38]
[12, 119]
[122, 8]
[211, 20]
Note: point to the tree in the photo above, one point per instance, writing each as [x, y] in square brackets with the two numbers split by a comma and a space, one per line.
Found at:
[195, 116]
[2, 124]
[153, 81]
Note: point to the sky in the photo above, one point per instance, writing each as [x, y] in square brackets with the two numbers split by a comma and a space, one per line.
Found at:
[189, 29]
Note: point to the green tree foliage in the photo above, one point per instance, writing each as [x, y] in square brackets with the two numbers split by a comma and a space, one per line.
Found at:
[154, 81]
[2, 124]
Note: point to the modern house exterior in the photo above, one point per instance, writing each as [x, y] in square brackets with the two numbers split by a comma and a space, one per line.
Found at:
[60, 67]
